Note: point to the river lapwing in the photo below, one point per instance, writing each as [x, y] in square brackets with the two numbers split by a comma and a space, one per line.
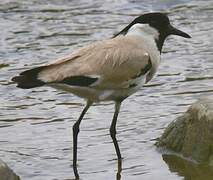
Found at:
[107, 70]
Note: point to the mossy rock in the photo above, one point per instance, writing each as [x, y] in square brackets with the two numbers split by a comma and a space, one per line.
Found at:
[6, 173]
[191, 134]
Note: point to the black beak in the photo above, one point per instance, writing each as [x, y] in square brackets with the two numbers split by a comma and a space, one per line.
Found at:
[177, 32]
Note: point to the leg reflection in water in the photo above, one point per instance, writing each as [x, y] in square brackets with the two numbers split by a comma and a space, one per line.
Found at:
[118, 175]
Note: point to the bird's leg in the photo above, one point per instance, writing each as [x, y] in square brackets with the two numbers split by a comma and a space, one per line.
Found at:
[113, 129]
[113, 135]
[75, 138]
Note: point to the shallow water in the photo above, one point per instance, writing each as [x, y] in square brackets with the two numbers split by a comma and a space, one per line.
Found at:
[35, 125]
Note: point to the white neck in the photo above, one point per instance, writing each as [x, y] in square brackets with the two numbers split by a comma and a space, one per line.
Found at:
[144, 31]
[149, 36]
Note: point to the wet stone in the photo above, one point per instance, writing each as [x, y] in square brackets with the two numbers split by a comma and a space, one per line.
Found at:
[191, 134]
[6, 173]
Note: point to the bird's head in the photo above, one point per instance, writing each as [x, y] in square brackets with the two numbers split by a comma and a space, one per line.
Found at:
[156, 25]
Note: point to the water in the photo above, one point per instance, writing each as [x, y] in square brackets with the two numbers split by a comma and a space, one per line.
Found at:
[35, 125]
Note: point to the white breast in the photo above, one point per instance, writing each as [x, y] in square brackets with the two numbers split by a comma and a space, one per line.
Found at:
[148, 35]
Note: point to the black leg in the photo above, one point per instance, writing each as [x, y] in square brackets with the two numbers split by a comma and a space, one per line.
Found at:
[113, 135]
[75, 138]
[113, 129]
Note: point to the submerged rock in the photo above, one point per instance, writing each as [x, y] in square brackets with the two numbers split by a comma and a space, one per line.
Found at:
[191, 134]
[6, 173]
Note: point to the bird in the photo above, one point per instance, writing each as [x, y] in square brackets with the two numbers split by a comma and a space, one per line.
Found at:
[107, 70]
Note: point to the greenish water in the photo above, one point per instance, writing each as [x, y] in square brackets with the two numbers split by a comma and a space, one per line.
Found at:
[35, 125]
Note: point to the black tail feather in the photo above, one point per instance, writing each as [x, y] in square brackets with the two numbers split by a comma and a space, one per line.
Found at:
[29, 79]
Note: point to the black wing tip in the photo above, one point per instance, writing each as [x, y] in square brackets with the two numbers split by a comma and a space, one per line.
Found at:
[26, 82]
[28, 79]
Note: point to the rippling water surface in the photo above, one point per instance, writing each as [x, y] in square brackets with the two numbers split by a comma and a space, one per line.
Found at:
[35, 124]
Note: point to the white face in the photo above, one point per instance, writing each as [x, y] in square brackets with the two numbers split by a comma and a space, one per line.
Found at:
[144, 30]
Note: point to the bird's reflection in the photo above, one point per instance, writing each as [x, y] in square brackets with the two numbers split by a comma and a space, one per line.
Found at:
[187, 169]
[118, 175]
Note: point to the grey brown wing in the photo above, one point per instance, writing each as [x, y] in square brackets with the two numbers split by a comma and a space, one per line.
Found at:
[104, 64]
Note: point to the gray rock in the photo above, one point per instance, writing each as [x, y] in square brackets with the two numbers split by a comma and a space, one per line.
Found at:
[6, 173]
[191, 134]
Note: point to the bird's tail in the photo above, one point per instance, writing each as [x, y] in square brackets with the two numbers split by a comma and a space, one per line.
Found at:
[29, 79]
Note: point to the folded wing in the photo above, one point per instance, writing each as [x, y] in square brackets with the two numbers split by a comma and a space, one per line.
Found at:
[104, 64]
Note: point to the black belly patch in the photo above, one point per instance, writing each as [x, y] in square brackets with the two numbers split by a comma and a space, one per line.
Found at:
[79, 81]
[144, 70]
